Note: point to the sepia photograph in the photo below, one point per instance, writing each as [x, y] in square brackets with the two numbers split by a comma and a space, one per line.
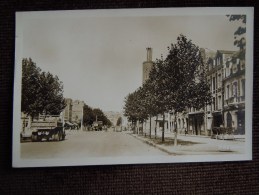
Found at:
[133, 86]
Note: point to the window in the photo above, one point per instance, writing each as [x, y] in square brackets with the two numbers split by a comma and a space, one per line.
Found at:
[213, 84]
[234, 89]
[219, 80]
[227, 94]
[214, 104]
[219, 102]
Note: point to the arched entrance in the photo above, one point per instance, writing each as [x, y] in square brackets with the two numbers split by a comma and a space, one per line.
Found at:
[229, 120]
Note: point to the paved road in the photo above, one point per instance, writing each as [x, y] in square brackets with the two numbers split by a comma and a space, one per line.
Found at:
[81, 144]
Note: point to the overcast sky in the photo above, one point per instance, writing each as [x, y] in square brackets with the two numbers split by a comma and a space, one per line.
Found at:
[99, 58]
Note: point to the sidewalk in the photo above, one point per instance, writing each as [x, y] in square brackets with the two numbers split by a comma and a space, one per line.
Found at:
[193, 145]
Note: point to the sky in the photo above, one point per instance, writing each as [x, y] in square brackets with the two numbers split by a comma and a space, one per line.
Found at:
[99, 57]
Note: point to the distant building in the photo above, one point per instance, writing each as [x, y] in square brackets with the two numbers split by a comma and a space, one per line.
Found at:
[147, 65]
[73, 111]
[113, 116]
[77, 111]
[68, 110]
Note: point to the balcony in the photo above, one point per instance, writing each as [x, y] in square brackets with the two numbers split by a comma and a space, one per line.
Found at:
[229, 100]
[234, 100]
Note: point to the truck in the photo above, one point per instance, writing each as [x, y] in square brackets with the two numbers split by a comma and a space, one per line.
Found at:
[50, 129]
[97, 125]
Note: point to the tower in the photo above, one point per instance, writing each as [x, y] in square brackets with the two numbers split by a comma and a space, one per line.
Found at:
[147, 65]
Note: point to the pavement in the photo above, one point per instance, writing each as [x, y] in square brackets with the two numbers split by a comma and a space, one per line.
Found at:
[193, 145]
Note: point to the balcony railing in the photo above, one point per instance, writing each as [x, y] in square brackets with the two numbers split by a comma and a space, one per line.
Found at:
[233, 100]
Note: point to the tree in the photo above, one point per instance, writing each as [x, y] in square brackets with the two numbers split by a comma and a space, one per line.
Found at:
[185, 85]
[100, 116]
[51, 91]
[160, 90]
[30, 88]
[130, 108]
[134, 108]
[240, 40]
[41, 92]
[119, 121]
[151, 101]
[89, 117]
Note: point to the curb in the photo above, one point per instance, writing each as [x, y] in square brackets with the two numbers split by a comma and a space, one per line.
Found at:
[154, 145]
[181, 152]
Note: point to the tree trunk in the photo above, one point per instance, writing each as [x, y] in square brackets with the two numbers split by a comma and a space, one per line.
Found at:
[142, 124]
[29, 122]
[175, 130]
[150, 126]
[156, 125]
[163, 128]
[137, 126]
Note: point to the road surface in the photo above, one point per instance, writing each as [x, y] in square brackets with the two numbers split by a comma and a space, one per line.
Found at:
[81, 144]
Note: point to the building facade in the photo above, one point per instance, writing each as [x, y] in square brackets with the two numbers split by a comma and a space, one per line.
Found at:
[113, 116]
[77, 111]
[68, 110]
[73, 111]
[234, 94]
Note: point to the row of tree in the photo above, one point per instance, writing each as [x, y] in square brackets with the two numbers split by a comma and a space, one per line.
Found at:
[174, 84]
[42, 93]
[91, 115]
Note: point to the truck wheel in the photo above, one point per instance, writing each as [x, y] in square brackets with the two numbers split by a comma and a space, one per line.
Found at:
[34, 138]
[57, 136]
[53, 137]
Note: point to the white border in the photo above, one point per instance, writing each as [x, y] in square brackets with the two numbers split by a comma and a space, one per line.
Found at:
[21, 16]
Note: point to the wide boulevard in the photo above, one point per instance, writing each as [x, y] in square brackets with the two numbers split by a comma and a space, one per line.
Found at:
[80, 144]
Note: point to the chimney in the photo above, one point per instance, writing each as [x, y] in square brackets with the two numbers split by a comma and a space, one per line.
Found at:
[149, 54]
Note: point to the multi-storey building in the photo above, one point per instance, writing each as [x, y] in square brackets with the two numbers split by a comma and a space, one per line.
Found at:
[68, 110]
[215, 75]
[234, 94]
[77, 111]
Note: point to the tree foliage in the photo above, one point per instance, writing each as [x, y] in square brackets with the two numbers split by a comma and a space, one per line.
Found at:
[119, 121]
[100, 116]
[90, 115]
[239, 34]
[185, 84]
[41, 91]
[175, 83]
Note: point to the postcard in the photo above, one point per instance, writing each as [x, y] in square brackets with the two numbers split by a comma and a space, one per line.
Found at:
[133, 86]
